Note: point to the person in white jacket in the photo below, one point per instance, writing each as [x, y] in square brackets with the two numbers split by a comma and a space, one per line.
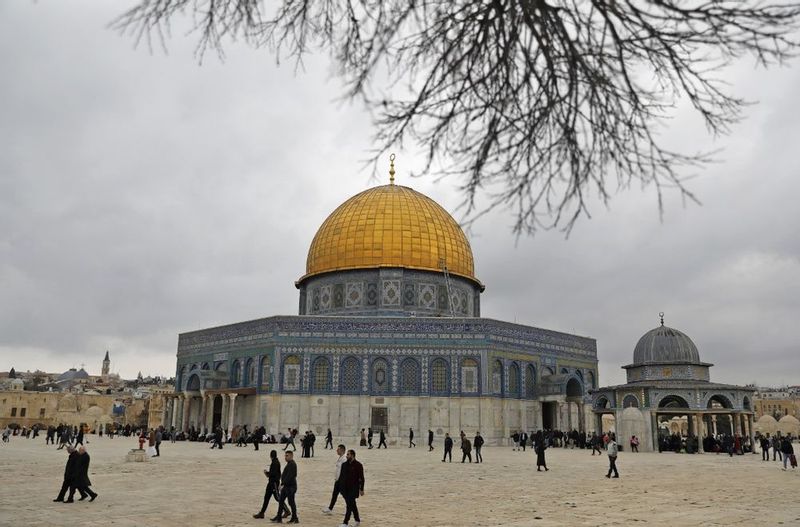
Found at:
[612, 450]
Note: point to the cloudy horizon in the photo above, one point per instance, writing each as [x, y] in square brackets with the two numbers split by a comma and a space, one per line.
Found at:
[143, 195]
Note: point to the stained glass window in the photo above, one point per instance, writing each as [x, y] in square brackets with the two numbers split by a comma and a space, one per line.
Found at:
[291, 373]
[497, 377]
[530, 382]
[439, 376]
[320, 380]
[265, 373]
[469, 376]
[409, 376]
[380, 379]
[351, 375]
[513, 379]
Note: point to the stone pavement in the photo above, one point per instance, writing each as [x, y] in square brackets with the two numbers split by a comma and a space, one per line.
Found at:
[192, 485]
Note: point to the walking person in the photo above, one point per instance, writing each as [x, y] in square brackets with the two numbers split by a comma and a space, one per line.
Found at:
[273, 483]
[595, 442]
[351, 482]
[342, 459]
[776, 448]
[634, 444]
[478, 443]
[448, 448]
[411, 438]
[466, 449]
[541, 446]
[172, 434]
[611, 449]
[363, 439]
[69, 475]
[523, 440]
[382, 440]
[288, 489]
[329, 439]
[788, 452]
[764, 448]
[290, 440]
[82, 483]
[369, 437]
[159, 437]
[430, 440]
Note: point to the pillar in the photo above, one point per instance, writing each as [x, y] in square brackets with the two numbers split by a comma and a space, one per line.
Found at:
[598, 423]
[714, 425]
[736, 423]
[201, 419]
[751, 434]
[700, 434]
[187, 404]
[231, 410]
[224, 417]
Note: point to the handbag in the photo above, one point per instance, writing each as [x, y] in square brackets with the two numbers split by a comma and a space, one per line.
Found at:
[792, 460]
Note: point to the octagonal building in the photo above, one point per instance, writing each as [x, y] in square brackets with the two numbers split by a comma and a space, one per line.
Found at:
[389, 336]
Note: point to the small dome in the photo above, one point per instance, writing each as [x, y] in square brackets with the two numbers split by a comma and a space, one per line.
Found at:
[73, 374]
[664, 345]
[390, 226]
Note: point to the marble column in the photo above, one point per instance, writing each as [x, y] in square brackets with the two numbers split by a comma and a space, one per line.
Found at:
[700, 432]
[232, 409]
[751, 433]
[223, 422]
[714, 425]
[736, 424]
[201, 419]
[187, 406]
[178, 412]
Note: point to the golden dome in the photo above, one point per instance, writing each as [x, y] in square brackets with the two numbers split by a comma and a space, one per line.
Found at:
[390, 226]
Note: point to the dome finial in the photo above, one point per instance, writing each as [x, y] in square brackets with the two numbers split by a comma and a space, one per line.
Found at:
[391, 169]
[661, 316]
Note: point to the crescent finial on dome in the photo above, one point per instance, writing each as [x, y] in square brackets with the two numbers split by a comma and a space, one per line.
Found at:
[391, 169]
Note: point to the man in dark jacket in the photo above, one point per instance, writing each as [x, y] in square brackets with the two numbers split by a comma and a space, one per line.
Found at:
[81, 482]
[788, 451]
[448, 448]
[478, 443]
[273, 482]
[382, 440]
[69, 475]
[523, 440]
[288, 489]
[430, 440]
[351, 483]
[466, 449]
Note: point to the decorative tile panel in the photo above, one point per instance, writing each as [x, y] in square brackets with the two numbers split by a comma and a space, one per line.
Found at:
[391, 293]
[354, 294]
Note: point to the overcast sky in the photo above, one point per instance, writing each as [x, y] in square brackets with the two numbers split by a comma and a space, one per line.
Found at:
[142, 196]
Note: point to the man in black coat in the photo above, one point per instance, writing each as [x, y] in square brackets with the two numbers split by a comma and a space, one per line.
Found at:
[478, 444]
[81, 481]
[288, 489]
[448, 448]
[69, 475]
[523, 440]
[351, 483]
[382, 440]
[273, 483]
[430, 440]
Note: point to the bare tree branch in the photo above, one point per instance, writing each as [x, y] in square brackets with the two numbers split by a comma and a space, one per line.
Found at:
[538, 105]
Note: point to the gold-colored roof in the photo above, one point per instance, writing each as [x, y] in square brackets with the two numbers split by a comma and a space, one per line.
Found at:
[390, 226]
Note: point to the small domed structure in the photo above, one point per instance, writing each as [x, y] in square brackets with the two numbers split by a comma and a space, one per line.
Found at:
[665, 345]
[789, 425]
[73, 375]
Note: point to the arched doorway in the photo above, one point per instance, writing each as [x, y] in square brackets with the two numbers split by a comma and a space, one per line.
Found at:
[606, 419]
[674, 433]
[216, 419]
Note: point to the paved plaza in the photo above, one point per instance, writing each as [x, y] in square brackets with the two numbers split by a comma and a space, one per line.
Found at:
[192, 485]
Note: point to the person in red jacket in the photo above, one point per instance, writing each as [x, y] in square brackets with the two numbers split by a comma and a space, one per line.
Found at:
[351, 483]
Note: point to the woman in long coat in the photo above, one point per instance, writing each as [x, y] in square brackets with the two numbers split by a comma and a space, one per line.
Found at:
[540, 448]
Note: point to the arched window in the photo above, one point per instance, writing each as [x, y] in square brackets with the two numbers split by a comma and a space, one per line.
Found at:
[497, 377]
[564, 371]
[513, 379]
[181, 376]
[469, 376]
[194, 383]
[204, 366]
[409, 376]
[251, 372]
[439, 376]
[630, 401]
[380, 377]
[236, 378]
[547, 370]
[530, 382]
[351, 375]
[590, 380]
[291, 373]
[266, 374]
[320, 382]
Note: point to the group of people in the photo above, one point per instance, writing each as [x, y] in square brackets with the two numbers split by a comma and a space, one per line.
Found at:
[282, 486]
[781, 448]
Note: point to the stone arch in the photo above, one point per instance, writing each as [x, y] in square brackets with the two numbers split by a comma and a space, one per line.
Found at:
[497, 377]
[573, 387]
[439, 376]
[513, 379]
[673, 401]
[321, 375]
[409, 376]
[579, 373]
[236, 373]
[193, 367]
[602, 402]
[251, 375]
[530, 381]
[193, 383]
[350, 375]
[221, 366]
[379, 375]
[718, 400]
[746, 403]
[630, 401]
